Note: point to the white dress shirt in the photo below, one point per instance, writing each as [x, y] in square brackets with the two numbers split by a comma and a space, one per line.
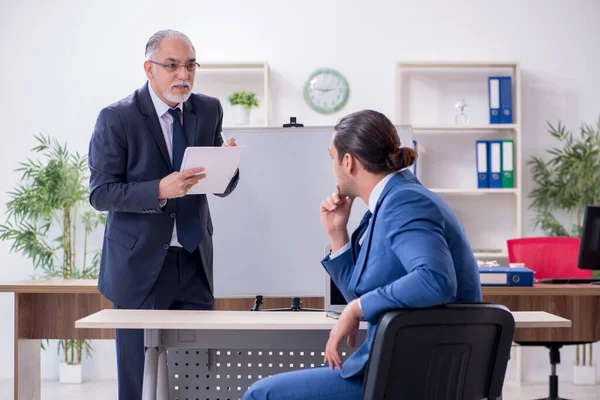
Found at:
[373, 199]
[166, 124]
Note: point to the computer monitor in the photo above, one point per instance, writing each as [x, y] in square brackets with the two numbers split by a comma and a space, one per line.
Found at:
[334, 299]
[589, 248]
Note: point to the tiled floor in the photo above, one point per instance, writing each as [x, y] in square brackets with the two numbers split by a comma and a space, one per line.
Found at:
[103, 390]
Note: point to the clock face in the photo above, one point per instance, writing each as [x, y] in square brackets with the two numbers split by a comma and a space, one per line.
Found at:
[326, 91]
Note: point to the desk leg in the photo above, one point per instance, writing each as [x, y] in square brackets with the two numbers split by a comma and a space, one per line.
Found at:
[150, 374]
[27, 372]
[519, 365]
[27, 369]
[162, 388]
[152, 344]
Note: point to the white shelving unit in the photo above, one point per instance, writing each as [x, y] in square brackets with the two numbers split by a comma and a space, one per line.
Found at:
[473, 192]
[463, 129]
[220, 79]
[426, 94]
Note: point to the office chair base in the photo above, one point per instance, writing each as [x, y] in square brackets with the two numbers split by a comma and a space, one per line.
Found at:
[553, 395]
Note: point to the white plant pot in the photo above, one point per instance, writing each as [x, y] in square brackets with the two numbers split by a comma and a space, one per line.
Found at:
[69, 373]
[584, 374]
[241, 115]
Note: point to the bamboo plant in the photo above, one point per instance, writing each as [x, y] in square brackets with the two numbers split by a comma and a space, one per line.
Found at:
[47, 213]
[568, 181]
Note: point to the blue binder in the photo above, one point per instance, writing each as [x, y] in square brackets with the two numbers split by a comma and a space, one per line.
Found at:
[506, 114]
[494, 99]
[495, 164]
[505, 276]
[482, 164]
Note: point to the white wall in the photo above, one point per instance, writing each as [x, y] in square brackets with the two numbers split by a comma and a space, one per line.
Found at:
[62, 63]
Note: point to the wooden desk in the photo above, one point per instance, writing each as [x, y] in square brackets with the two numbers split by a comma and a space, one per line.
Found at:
[248, 320]
[238, 331]
[578, 303]
[48, 309]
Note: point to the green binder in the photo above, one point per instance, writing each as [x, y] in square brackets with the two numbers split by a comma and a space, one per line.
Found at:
[508, 162]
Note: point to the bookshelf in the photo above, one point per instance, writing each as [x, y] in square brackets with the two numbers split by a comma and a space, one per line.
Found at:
[426, 94]
[463, 129]
[220, 79]
[473, 192]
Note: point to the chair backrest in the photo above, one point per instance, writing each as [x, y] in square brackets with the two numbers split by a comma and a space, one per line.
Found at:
[458, 351]
[548, 257]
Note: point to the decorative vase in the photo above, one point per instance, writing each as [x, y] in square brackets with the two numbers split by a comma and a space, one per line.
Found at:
[241, 114]
[69, 373]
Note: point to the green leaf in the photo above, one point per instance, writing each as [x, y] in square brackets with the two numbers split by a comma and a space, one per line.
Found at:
[52, 188]
[568, 180]
[246, 99]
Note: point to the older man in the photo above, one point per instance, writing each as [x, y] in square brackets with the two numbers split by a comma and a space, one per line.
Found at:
[157, 250]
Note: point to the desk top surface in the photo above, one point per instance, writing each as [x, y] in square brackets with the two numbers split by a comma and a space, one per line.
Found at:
[543, 289]
[52, 286]
[91, 286]
[257, 320]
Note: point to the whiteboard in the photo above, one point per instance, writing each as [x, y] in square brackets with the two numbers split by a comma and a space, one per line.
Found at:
[268, 238]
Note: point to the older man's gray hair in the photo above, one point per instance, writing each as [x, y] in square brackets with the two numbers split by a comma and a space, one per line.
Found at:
[153, 44]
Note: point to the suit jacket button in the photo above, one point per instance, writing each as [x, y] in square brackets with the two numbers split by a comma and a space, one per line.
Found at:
[172, 215]
[166, 246]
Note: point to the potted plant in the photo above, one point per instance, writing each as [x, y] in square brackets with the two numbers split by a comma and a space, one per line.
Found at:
[241, 104]
[47, 214]
[568, 181]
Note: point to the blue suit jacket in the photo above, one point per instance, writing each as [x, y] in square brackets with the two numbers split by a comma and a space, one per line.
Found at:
[415, 254]
[127, 158]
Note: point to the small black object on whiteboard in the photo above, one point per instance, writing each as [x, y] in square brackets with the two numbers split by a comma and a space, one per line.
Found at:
[293, 124]
[295, 306]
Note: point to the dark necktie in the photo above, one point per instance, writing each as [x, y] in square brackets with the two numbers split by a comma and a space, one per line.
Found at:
[189, 226]
[358, 233]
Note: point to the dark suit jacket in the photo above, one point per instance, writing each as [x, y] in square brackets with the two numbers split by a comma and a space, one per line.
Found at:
[127, 158]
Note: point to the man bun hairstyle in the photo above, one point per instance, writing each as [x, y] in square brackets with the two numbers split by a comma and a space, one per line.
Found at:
[400, 158]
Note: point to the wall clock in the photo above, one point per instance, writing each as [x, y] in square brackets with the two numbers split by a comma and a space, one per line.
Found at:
[326, 90]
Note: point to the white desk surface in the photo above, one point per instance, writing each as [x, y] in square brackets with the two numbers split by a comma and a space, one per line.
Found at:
[257, 320]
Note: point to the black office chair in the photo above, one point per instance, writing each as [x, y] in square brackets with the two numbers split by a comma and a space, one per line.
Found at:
[458, 351]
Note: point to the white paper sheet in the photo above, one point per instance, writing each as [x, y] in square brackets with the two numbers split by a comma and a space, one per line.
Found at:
[220, 164]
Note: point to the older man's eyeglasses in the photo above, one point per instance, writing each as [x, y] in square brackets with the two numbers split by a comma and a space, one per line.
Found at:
[172, 67]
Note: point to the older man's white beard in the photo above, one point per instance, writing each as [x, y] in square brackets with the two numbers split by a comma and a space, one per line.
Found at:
[169, 95]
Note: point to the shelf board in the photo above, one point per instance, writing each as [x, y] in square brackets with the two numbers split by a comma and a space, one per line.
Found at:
[464, 128]
[473, 192]
[243, 127]
[232, 65]
[456, 64]
[483, 254]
